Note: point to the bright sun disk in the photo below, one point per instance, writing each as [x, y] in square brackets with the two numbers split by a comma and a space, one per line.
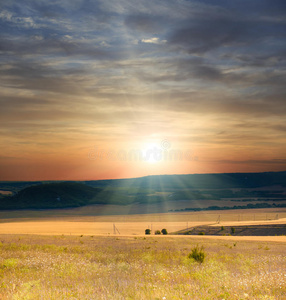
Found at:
[151, 153]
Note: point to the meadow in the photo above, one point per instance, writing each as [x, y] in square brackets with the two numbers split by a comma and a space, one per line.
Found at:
[62, 254]
[146, 267]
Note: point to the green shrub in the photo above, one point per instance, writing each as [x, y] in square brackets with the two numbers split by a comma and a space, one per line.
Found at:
[148, 231]
[201, 233]
[157, 232]
[232, 230]
[164, 231]
[198, 254]
[9, 263]
[222, 228]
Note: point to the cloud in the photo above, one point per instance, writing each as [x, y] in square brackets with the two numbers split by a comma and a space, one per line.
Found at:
[153, 40]
[113, 69]
[145, 23]
[203, 35]
[281, 162]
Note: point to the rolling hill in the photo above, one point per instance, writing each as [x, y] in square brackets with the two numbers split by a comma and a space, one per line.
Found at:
[260, 188]
[51, 195]
[197, 181]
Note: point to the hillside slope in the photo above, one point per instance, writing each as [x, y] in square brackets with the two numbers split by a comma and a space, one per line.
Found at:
[243, 190]
[197, 181]
[52, 195]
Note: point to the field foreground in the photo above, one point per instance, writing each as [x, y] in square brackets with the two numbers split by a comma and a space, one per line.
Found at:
[152, 267]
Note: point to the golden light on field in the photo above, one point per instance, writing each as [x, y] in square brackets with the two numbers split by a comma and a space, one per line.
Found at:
[134, 267]
[84, 221]
[124, 229]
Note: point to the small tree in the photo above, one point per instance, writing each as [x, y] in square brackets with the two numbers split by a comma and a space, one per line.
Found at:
[157, 232]
[198, 254]
[164, 231]
[232, 230]
[148, 231]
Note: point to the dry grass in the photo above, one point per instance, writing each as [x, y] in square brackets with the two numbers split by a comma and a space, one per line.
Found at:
[86, 266]
[74, 267]
[85, 228]
[53, 227]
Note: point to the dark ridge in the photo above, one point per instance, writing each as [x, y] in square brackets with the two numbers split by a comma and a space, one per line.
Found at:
[243, 230]
[50, 195]
[148, 190]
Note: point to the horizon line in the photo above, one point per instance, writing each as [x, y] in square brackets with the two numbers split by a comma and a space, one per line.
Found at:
[126, 178]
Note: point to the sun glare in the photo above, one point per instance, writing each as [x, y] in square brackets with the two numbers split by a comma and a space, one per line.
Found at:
[151, 153]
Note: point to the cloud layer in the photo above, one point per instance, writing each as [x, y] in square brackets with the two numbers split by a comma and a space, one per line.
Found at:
[206, 75]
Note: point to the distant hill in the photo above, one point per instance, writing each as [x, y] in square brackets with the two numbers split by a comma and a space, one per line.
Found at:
[148, 190]
[64, 195]
[51, 195]
[198, 181]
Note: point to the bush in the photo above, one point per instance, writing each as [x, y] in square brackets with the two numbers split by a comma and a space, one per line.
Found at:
[232, 230]
[148, 231]
[222, 228]
[157, 232]
[201, 233]
[198, 254]
[9, 263]
[164, 231]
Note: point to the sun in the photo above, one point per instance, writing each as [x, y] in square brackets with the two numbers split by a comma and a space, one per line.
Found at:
[151, 153]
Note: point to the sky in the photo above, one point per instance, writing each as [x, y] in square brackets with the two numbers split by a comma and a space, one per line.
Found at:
[96, 89]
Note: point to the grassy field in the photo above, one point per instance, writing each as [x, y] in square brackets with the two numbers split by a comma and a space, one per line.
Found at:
[152, 267]
[57, 255]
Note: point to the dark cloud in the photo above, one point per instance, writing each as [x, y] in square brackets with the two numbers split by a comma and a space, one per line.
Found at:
[270, 59]
[200, 36]
[146, 23]
[254, 8]
[59, 46]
